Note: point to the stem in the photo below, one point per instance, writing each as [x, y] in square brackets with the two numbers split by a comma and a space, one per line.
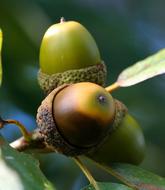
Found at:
[86, 172]
[22, 128]
[112, 87]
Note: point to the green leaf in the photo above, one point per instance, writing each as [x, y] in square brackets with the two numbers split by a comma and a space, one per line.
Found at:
[151, 66]
[0, 56]
[108, 186]
[136, 177]
[20, 171]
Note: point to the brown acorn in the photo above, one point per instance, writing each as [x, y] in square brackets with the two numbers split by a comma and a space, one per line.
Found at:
[75, 118]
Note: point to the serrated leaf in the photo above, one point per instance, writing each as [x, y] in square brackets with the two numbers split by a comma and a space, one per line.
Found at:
[0, 56]
[151, 66]
[137, 177]
[108, 186]
[20, 171]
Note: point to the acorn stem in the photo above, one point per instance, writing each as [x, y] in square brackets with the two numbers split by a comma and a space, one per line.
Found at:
[86, 172]
[112, 87]
[22, 128]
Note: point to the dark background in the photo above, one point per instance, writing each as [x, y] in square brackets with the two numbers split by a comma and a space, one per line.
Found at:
[125, 30]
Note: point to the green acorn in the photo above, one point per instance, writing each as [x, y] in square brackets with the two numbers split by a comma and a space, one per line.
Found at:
[69, 54]
[125, 144]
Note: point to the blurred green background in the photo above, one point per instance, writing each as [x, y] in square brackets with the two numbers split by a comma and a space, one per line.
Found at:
[125, 31]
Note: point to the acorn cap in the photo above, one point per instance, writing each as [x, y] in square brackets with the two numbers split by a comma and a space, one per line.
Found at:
[96, 74]
[120, 113]
[53, 137]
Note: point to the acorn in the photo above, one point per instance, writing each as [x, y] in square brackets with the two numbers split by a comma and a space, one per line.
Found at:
[126, 144]
[74, 119]
[82, 118]
[69, 54]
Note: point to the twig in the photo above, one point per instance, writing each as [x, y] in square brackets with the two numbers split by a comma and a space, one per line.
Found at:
[22, 128]
[87, 173]
[30, 141]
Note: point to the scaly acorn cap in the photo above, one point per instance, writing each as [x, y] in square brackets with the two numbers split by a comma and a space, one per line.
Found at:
[96, 74]
[49, 130]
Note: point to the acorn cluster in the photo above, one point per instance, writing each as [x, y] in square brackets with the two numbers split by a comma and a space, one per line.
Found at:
[78, 116]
